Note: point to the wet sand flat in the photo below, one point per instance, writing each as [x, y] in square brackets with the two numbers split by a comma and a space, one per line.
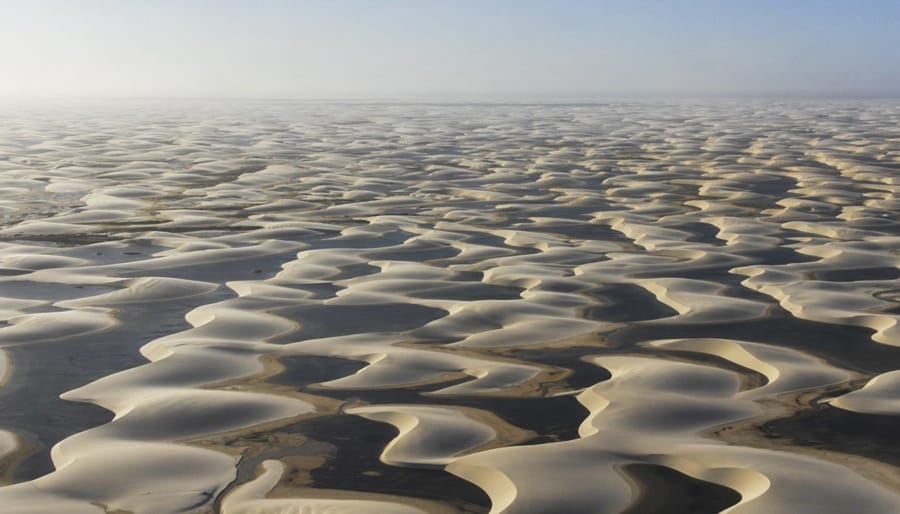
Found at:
[280, 307]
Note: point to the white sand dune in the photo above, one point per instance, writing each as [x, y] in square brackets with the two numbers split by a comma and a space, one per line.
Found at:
[50, 326]
[145, 289]
[395, 366]
[624, 427]
[699, 301]
[250, 499]
[785, 370]
[277, 307]
[878, 396]
[854, 302]
[429, 436]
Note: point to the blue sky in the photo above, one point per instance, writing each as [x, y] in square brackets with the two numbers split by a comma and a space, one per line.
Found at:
[399, 49]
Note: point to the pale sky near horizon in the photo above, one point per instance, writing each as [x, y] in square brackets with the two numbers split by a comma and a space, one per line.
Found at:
[446, 49]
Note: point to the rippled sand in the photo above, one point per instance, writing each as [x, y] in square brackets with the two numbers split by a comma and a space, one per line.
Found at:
[288, 307]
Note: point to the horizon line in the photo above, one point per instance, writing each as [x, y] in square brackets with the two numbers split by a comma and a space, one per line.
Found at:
[469, 98]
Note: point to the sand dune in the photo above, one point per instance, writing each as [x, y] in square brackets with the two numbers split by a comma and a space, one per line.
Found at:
[292, 307]
[878, 396]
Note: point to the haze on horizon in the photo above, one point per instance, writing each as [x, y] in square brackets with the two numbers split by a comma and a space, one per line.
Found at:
[448, 49]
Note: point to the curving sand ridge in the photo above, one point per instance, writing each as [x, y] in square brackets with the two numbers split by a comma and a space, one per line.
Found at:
[624, 428]
[785, 370]
[276, 307]
[49, 326]
[145, 289]
[392, 366]
[858, 302]
[878, 396]
[429, 436]
[250, 499]
[155, 405]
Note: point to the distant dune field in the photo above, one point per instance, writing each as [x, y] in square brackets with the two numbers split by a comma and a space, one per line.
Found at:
[288, 307]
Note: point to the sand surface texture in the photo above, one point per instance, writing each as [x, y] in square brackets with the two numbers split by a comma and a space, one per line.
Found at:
[371, 308]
